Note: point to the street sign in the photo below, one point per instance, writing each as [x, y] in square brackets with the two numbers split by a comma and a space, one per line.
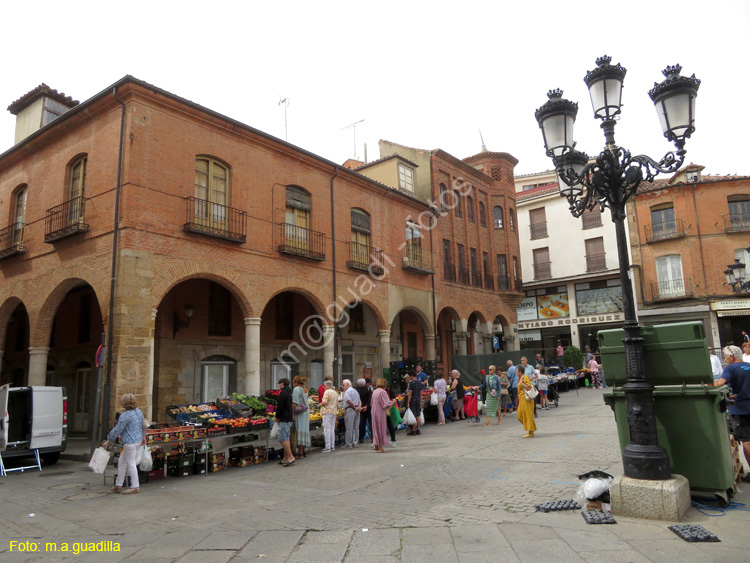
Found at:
[496, 342]
[100, 356]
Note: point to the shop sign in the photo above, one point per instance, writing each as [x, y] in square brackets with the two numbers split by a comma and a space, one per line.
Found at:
[593, 319]
[553, 306]
[730, 304]
[737, 313]
[530, 335]
[527, 309]
[600, 300]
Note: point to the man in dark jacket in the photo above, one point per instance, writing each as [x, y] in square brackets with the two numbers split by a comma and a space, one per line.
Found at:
[285, 418]
[365, 417]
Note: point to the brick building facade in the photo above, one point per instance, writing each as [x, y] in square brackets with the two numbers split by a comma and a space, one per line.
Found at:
[684, 231]
[236, 258]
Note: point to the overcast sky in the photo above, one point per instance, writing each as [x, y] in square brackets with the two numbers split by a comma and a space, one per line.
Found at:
[423, 74]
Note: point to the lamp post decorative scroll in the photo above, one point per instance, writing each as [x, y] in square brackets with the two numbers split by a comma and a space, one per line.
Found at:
[735, 274]
[609, 180]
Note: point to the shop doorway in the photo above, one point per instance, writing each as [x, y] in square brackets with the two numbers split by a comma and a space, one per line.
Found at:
[218, 375]
[82, 398]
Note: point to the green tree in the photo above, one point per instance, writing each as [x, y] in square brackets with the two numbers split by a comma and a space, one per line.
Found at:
[573, 358]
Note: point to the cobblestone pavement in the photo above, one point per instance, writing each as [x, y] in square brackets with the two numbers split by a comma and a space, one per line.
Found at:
[460, 492]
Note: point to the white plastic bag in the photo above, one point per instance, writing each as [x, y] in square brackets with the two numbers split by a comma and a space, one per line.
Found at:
[99, 460]
[593, 488]
[146, 462]
[274, 432]
[409, 418]
[421, 418]
[434, 399]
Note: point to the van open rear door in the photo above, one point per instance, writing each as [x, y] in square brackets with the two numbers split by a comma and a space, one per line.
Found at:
[4, 416]
[46, 417]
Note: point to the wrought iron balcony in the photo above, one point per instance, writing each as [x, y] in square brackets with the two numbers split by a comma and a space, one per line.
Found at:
[503, 283]
[596, 262]
[672, 289]
[11, 241]
[476, 278]
[215, 220]
[463, 275]
[542, 270]
[449, 272]
[591, 219]
[365, 257]
[736, 223]
[417, 259]
[302, 242]
[65, 220]
[664, 231]
[489, 281]
[538, 230]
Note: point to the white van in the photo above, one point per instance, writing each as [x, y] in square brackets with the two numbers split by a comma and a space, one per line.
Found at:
[33, 418]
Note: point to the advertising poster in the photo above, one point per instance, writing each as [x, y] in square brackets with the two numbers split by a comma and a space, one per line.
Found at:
[554, 306]
[527, 310]
[598, 301]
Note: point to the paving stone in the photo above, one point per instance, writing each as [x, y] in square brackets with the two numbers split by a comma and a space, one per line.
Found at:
[272, 543]
[479, 538]
[533, 550]
[335, 536]
[668, 551]
[426, 536]
[421, 553]
[590, 540]
[324, 552]
[218, 540]
[207, 557]
[375, 542]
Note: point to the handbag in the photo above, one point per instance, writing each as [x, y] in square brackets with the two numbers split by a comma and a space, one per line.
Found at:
[530, 393]
[300, 408]
[99, 460]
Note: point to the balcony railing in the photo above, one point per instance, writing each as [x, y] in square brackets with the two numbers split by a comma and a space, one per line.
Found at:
[538, 230]
[596, 262]
[489, 281]
[463, 275]
[65, 220]
[542, 270]
[476, 278]
[664, 231]
[365, 257]
[449, 272]
[215, 220]
[591, 219]
[11, 241]
[503, 283]
[302, 242]
[672, 289]
[417, 259]
[736, 223]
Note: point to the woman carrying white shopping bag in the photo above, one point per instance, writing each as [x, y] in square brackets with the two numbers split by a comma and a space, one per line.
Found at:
[129, 428]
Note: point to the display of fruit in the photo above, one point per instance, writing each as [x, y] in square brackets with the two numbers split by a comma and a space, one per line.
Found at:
[316, 416]
[193, 408]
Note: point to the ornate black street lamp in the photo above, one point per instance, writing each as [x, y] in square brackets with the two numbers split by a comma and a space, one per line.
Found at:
[610, 180]
[735, 274]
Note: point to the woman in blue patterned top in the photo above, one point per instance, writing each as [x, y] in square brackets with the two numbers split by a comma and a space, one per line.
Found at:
[129, 428]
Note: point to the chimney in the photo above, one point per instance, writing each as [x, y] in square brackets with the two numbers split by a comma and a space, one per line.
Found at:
[37, 108]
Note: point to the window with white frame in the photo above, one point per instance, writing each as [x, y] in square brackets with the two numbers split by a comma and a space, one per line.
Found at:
[743, 256]
[405, 177]
[669, 276]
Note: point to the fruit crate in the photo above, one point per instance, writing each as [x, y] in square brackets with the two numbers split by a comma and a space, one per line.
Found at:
[235, 407]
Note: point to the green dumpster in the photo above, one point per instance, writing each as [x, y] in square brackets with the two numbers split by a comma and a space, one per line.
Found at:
[674, 354]
[691, 424]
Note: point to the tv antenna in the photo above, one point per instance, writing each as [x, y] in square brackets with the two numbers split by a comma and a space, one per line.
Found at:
[286, 102]
[353, 126]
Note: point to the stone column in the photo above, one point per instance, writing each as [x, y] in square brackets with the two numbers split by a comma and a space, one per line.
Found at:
[461, 336]
[329, 352]
[38, 366]
[252, 356]
[430, 347]
[384, 337]
[151, 344]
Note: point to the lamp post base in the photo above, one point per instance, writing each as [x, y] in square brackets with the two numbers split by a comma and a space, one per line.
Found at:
[657, 500]
[649, 462]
